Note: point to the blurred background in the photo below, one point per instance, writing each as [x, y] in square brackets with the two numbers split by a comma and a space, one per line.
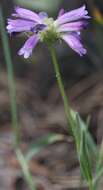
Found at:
[39, 104]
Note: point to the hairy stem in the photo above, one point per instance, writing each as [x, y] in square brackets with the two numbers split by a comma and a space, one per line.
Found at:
[67, 108]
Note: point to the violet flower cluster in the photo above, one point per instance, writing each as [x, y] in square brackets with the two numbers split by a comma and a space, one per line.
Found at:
[39, 27]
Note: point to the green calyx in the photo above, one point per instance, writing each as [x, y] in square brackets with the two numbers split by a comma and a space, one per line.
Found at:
[50, 34]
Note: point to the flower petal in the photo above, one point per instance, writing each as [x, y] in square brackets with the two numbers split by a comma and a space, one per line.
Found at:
[73, 26]
[27, 49]
[73, 15]
[61, 12]
[73, 40]
[26, 14]
[19, 25]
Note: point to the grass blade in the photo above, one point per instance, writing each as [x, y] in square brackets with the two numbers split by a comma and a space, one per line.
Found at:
[11, 83]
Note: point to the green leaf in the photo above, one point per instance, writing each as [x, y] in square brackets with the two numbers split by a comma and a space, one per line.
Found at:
[42, 143]
[99, 166]
[88, 138]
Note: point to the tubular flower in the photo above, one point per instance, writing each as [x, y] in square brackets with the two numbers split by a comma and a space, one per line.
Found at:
[39, 27]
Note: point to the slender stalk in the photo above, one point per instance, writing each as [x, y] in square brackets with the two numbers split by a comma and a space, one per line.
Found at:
[12, 90]
[25, 169]
[67, 108]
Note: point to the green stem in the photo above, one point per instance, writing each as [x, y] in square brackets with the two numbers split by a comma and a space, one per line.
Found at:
[25, 169]
[91, 187]
[12, 90]
[67, 108]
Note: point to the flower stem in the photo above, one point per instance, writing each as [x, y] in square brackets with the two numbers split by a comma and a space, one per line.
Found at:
[67, 108]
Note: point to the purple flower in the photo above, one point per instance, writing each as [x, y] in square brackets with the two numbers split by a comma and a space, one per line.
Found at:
[39, 27]
[26, 50]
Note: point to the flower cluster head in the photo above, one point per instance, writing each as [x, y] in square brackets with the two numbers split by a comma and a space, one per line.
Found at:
[39, 27]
